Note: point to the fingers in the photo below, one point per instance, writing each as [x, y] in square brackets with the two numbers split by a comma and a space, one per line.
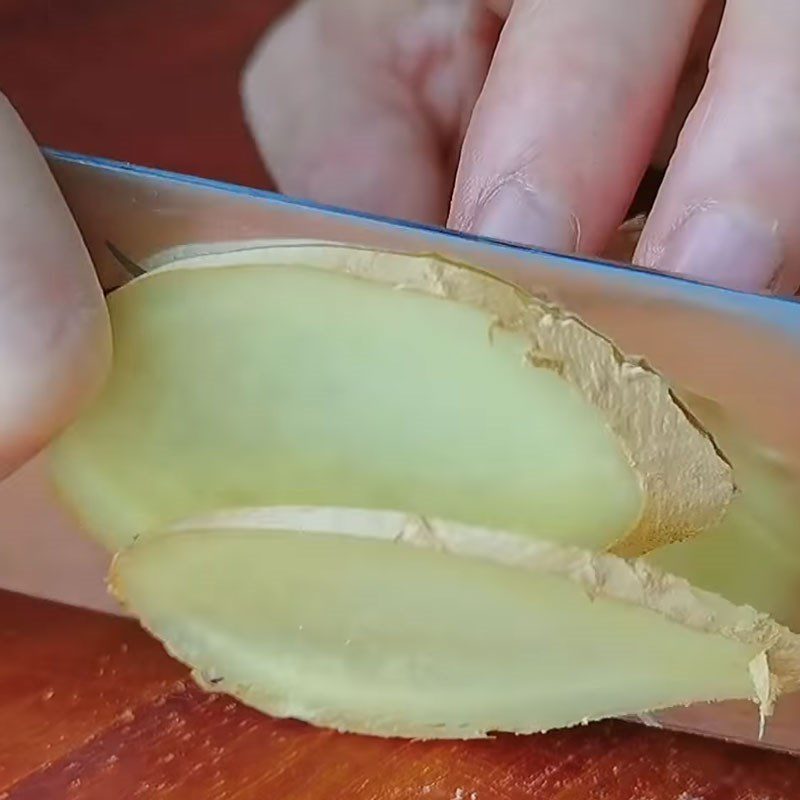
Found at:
[568, 118]
[356, 103]
[54, 337]
[728, 211]
[693, 78]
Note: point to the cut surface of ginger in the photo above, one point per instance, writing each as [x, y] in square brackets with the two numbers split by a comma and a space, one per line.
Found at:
[373, 380]
[390, 625]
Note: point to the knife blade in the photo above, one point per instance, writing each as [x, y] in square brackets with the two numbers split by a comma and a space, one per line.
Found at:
[741, 350]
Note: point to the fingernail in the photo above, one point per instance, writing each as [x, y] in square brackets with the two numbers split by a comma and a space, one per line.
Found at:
[724, 247]
[519, 215]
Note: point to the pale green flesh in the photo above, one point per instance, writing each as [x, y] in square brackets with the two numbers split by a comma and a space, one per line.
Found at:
[753, 556]
[386, 638]
[294, 386]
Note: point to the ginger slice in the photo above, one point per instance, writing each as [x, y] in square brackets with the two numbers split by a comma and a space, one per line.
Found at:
[389, 624]
[318, 374]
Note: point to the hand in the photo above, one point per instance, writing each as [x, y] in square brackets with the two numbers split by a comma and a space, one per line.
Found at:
[541, 136]
[55, 342]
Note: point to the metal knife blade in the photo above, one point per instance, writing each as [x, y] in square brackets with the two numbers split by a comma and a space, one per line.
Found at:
[739, 349]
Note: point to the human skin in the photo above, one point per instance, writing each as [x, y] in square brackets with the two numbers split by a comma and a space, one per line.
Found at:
[533, 121]
[55, 343]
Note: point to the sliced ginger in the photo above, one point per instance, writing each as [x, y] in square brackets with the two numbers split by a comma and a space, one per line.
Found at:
[386, 624]
[305, 380]
[333, 376]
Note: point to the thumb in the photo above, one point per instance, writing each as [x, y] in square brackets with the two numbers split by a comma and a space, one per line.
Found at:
[55, 343]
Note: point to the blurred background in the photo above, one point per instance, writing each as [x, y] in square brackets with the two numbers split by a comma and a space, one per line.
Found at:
[155, 82]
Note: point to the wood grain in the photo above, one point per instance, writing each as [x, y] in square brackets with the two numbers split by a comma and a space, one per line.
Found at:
[90, 706]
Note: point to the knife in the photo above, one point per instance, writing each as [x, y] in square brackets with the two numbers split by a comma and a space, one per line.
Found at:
[741, 350]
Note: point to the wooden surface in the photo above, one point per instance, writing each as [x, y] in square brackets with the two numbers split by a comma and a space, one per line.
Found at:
[91, 707]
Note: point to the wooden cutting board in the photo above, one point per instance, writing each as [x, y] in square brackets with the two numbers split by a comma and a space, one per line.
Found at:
[90, 706]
